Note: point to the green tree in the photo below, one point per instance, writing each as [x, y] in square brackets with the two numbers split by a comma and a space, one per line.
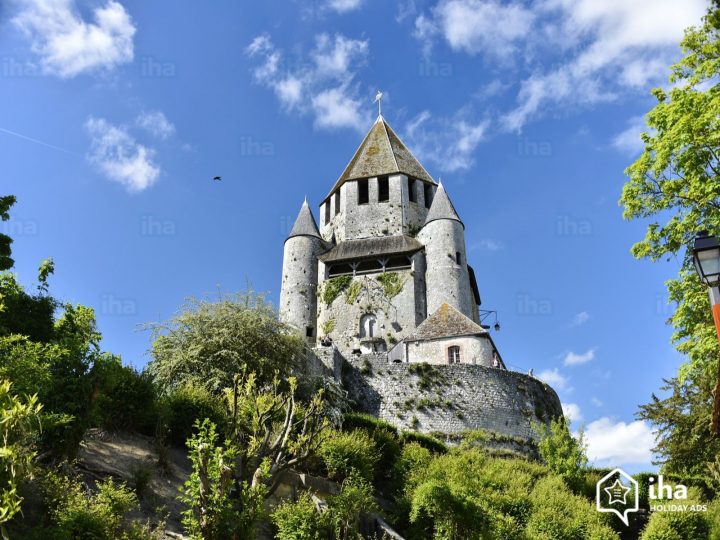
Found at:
[563, 453]
[6, 261]
[19, 423]
[269, 433]
[675, 183]
[212, 342]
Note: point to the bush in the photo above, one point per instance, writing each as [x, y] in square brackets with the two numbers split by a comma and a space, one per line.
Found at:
[300, 520]
[431, 443]
[558, 514]
[75, 514]
[681, 525]
[564, 454]
[713, 517]
[188, 403]
[346, 452]
[126, 399]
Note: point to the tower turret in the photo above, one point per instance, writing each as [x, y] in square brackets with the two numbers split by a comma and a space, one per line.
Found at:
[298, 298]
[447, 278]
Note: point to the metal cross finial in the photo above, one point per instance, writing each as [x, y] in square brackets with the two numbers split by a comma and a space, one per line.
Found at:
[378, 100]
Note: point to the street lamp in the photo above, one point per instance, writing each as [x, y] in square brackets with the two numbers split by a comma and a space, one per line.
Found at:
[706, 256]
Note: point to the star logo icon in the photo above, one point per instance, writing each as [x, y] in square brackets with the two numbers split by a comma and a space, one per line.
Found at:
[617, 492]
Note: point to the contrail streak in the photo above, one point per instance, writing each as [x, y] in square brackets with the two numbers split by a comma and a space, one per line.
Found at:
[36, 141]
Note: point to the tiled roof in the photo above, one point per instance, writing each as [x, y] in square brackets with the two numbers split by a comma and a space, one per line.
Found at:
[371, 247]
[305, 223]
[382, 152]
[441, 207]
[445, 322]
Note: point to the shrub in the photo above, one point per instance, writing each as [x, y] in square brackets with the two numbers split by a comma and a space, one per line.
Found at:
[558, 514]
[368, 422]
[713, 517]
[18, 425]
[564, 454]
[680, 525]
[184, 406]
[431, 443]
[76, 514]
[300, 520]
[126, 399]
[346, 452]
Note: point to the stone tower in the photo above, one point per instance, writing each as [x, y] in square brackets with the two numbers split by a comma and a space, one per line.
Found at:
[447, 278]
[298, 293]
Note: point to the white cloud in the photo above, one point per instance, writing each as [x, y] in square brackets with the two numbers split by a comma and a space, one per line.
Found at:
[320, 85]
[614, 46]
[487, 27]
[596, 401]
[614, 444]
[572, 412]
[120, 157]
[628, 141]
[67, 45]
[580, 318]
[449, 143]
[574, 359]
[155, 123]
[554, 378]
[344, 6]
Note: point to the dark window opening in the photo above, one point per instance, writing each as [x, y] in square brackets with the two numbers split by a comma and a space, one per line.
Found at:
[453, 354]
[412, 195]
[327, 212]
[337, 202]
[397, 263]
[309, 331]
[339, 270]
[371, 265]
[383, 189]
[363, 194]
[428, 195]
[458, 257]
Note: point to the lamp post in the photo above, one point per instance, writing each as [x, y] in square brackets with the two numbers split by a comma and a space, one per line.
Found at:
[706, 256]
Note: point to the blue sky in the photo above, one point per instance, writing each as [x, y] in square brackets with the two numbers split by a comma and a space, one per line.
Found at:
[116, 116]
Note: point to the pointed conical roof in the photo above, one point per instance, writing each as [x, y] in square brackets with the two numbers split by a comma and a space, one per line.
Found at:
[305, 224]
[441, 207]
[382, 152]
[446, 322]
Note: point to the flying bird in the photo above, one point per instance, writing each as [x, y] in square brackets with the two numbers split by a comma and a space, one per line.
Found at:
[217, 178]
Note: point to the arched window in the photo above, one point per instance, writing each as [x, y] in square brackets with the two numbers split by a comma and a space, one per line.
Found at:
[453, 354]
[368, 325]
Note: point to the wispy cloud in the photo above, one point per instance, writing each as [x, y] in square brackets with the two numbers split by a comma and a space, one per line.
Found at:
[554, 378]
[572, 412]
[596, 402]
[448, 143]
[67, 45]
[580, 318]
[344, 6]
[614, 444]
[155, 123]
[490, 28]
[120, 157]
[628, 141]
[563, 53]
[574, 359]
[321, 84]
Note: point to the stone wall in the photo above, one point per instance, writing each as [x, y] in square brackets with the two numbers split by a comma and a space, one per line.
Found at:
[396, 316]
[473, 350]
[447, 281]
[298, 292]
[449, 399]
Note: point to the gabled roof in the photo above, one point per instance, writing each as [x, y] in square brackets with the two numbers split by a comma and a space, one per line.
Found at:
[305, 224]
[382, 152]
[446, 322]
[371, 247]
[441, 207]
